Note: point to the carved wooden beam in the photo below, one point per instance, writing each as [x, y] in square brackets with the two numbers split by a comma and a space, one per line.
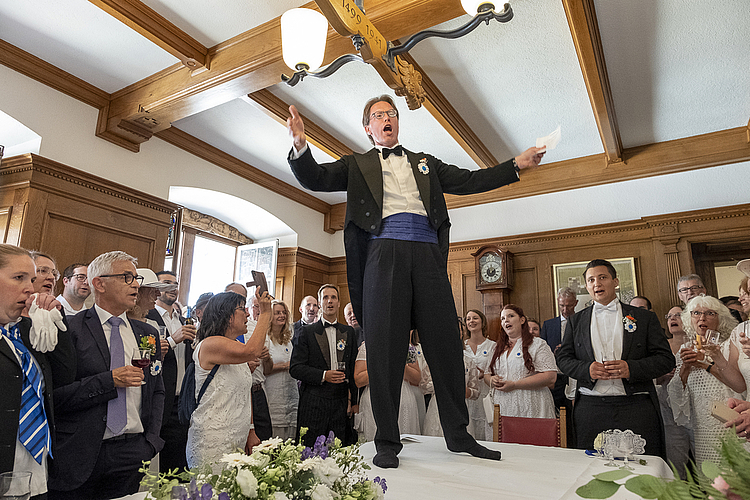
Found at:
[584, 29]
[159, 30]
[316, 135]
[247, 63]
[680, 155]
[212, 225]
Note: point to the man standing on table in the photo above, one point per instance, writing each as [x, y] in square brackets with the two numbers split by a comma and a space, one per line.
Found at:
[396, 240]
[614, 351]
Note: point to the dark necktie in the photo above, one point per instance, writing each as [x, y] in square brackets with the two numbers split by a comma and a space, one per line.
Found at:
[326, 324]
[398, 151]
[33, 430]
[117, 409]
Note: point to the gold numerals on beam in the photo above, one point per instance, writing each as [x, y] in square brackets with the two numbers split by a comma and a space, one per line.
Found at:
[349, 20]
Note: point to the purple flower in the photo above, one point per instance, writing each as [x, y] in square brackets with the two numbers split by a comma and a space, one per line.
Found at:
[206, 492]
[193, 490]
[307, 453]
[381, 481]
[320, 449]
[331, 437]
[179, 493]
[224, 495]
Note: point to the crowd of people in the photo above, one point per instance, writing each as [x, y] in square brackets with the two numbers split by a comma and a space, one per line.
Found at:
[84, 418]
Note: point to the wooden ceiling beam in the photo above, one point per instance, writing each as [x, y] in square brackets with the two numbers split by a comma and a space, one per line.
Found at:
[316, 135]
[209, 153]
[247, 63]
[680, 155]
[584, 28]
[152, 25]
[450, 119]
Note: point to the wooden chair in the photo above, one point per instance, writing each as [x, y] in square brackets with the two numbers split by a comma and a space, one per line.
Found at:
[536, 431]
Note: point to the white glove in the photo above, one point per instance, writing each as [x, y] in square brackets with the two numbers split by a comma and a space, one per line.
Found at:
[44, 326]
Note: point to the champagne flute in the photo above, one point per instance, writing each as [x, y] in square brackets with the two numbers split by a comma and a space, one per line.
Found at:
[141, 359]
[341, 367]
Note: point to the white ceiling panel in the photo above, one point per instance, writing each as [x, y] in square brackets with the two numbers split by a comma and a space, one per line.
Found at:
[677, 68]
[83, 40]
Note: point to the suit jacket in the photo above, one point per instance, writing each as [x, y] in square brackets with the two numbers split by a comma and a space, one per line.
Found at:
[551, 333]
[81, 407]
[10, 395]
[646, 350]
[169, 367]
[361, 176]
[311, 357]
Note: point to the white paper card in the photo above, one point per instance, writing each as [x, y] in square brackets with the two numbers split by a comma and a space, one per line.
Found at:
[550, 141]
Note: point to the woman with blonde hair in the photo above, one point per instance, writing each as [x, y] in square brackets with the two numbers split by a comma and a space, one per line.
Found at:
[281, 388]
[478, 350]
[706, 372]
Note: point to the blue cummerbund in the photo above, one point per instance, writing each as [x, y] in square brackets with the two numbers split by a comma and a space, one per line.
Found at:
[407, 227]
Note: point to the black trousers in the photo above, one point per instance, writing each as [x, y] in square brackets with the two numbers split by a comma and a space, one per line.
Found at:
[261, 415]
[175, 435]
[406, 286]
[594, 414]
[116, 473]
[320, 415]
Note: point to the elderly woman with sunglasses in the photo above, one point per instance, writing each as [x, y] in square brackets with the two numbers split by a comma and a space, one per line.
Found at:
[705, 372]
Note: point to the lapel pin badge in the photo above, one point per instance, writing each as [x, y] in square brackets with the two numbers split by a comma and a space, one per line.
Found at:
[341, 345]
[422, 167]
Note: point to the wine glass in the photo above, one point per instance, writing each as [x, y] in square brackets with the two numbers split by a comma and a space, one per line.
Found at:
[611, 442]
[141, 359]
[626, 447]
[712, 337]
[341, 367]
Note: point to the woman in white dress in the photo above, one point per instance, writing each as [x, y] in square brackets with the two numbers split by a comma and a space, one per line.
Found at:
[705, 373]
[408, 411]
[221, 422]
[478, 350]
[281, 388]
[522, 370]
[432, 425]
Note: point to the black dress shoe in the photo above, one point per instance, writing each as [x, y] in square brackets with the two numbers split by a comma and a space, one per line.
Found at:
[386, 459]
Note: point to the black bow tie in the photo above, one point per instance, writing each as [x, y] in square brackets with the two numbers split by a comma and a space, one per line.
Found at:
[326, 324]
[398, 151]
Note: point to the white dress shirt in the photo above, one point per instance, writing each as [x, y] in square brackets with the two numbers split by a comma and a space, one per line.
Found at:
[133, 423]
[67, 308]
[606, 342]
[172, 322]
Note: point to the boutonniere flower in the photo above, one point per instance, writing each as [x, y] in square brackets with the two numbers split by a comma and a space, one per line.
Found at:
[629, 323]
[341, 345]
[148, 343]
[422, 167]
[156, 368]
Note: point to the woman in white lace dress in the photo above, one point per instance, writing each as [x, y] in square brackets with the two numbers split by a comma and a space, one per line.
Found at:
[281, 388]
[221, 422]
[408, 411]
[705, 373]
[522, 370]
[478, 350]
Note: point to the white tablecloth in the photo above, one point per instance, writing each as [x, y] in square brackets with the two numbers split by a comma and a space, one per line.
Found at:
[429, 471]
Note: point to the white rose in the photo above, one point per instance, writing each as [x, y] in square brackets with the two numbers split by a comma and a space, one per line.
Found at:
[247, 483]
[280, 495]
[321, 492]
[327, 471]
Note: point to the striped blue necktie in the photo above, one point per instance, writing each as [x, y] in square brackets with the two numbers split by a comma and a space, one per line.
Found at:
[33, 430]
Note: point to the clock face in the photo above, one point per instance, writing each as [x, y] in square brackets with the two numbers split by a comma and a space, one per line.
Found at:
[490, 268]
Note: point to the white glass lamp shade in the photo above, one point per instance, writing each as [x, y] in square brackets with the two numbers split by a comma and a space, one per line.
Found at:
[472, 6]
[303, 38]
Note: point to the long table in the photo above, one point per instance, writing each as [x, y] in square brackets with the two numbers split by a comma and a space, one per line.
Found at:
[429, 471]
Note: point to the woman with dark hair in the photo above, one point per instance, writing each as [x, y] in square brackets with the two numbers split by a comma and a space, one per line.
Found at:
[522, 369]
[221, 423]
[478, 351]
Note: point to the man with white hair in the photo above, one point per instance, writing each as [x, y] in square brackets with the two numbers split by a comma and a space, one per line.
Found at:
[309, 310]
[107, 421]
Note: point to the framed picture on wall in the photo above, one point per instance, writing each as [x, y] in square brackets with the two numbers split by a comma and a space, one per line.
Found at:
[257, 257]
[571, 275]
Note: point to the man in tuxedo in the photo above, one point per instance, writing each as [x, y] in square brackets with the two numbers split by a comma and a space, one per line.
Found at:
[327, 392]
[396, 241]
[27, 432]
[107, 422]
[178, 354]
[309, 310]
[614, 351]
[552, 332]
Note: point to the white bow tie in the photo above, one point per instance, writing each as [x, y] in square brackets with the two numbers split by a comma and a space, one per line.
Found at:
[612, 307]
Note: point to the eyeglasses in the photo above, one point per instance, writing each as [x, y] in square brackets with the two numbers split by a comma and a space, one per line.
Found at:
[78, 277]
[379, 115]
[693, 288]
[673, 315]
[126, 276]
[44, 271]
[708, 314]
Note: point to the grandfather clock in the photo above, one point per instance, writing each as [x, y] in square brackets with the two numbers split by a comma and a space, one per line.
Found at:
[494, 275]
